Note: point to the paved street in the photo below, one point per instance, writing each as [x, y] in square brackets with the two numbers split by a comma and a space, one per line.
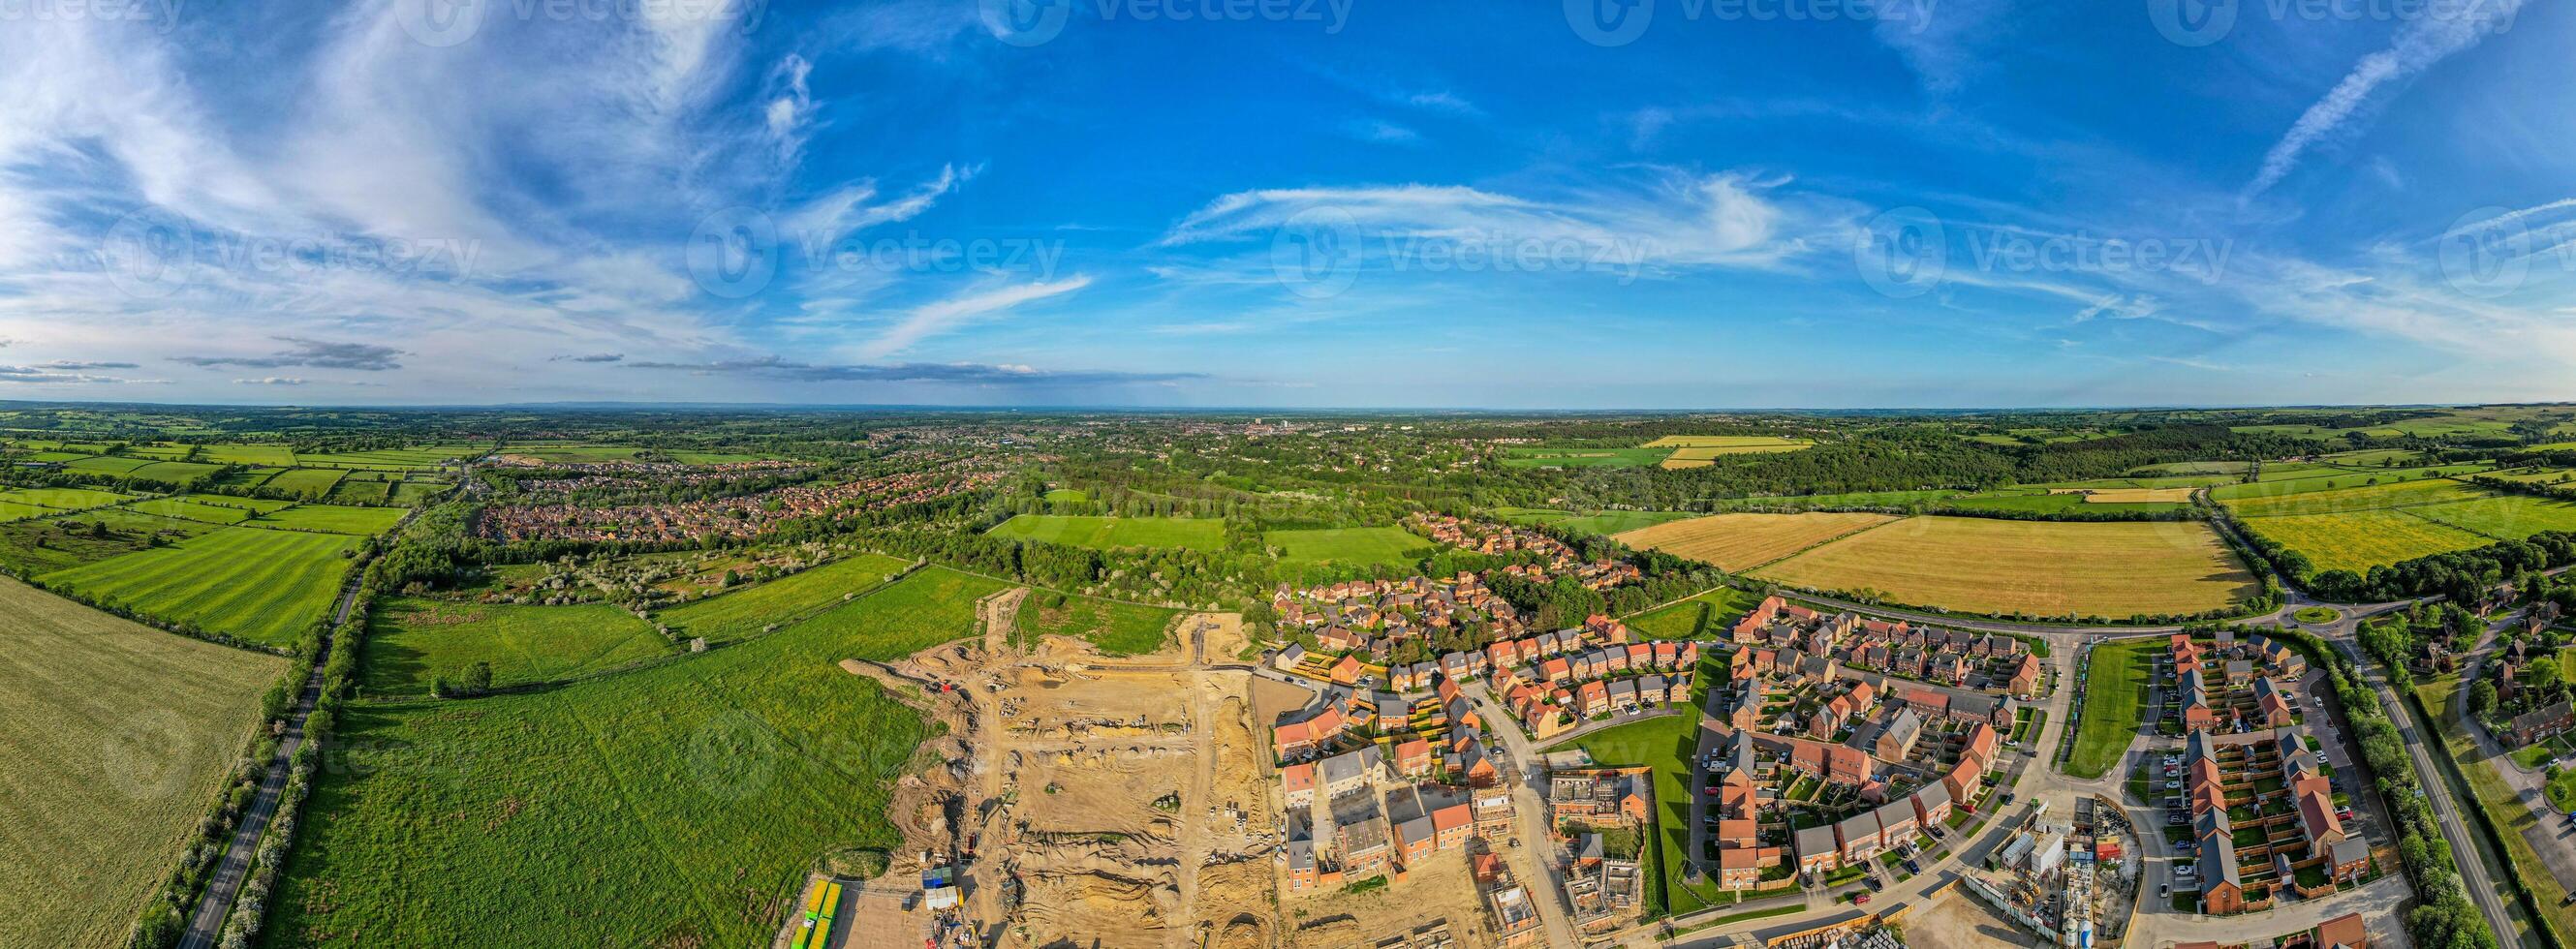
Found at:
[1532, 862]
[2029, 775]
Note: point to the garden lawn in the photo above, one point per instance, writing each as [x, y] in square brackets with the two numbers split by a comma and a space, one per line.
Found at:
[1666, 743]
[1699, 617]
[411, 641]
[742, 613]
[1349, 547]
[120, 739]
[1110, 533]
[261, 585]
[680, 804]
[2115, 696]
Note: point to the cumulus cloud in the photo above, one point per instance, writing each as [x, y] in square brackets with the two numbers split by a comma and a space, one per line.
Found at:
[271, 381]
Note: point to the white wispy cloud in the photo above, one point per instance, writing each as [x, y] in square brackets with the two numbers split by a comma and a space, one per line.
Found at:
[2443, 30]
[946, 316]
[1730, 219]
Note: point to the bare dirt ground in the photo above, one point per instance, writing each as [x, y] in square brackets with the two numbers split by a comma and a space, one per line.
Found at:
[1108, 802]
[1437, 890]
[1960, 921]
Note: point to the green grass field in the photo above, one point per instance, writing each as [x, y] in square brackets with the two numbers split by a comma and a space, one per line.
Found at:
[355, 490]
[2359, 528]
[677, 805]
[2288, 490]
[1066, 496]
[2503, 516]
[411, 641]
[71, 499]
[120, 740]
[177, 472]
[1349, 547]
[1855, 499]
[740, 614]
[311, 483]
[1701, 616]
[1605, 522]
[273, 456]
[108, 464]
[2043, 502]
[191, 510]
[1620, 522]
[261, 585]
[14, 511]
[1117, 629]
[2364, 498]
[1528, 457]
[1108, 533]
[2115, 697]
[362, 521]
[412, 493]
[37, 546]
[1666, 744]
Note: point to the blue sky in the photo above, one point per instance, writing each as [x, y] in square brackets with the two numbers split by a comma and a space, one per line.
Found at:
[1595, 203]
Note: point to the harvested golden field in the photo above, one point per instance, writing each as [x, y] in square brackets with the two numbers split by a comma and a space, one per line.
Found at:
[2041, 568]
[1699, 451]
[2139, 495]
[1737, 542]
[122, 736]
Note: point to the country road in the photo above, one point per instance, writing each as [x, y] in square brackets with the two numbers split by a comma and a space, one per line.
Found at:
[2446, 813]
[207, 923]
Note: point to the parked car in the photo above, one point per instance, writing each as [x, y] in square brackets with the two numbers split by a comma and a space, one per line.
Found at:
[1910, 868]
[2164, 889]
[1860, 899]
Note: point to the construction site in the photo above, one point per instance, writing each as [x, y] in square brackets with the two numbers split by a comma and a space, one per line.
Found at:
[2071, 881]
[1076, 799]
